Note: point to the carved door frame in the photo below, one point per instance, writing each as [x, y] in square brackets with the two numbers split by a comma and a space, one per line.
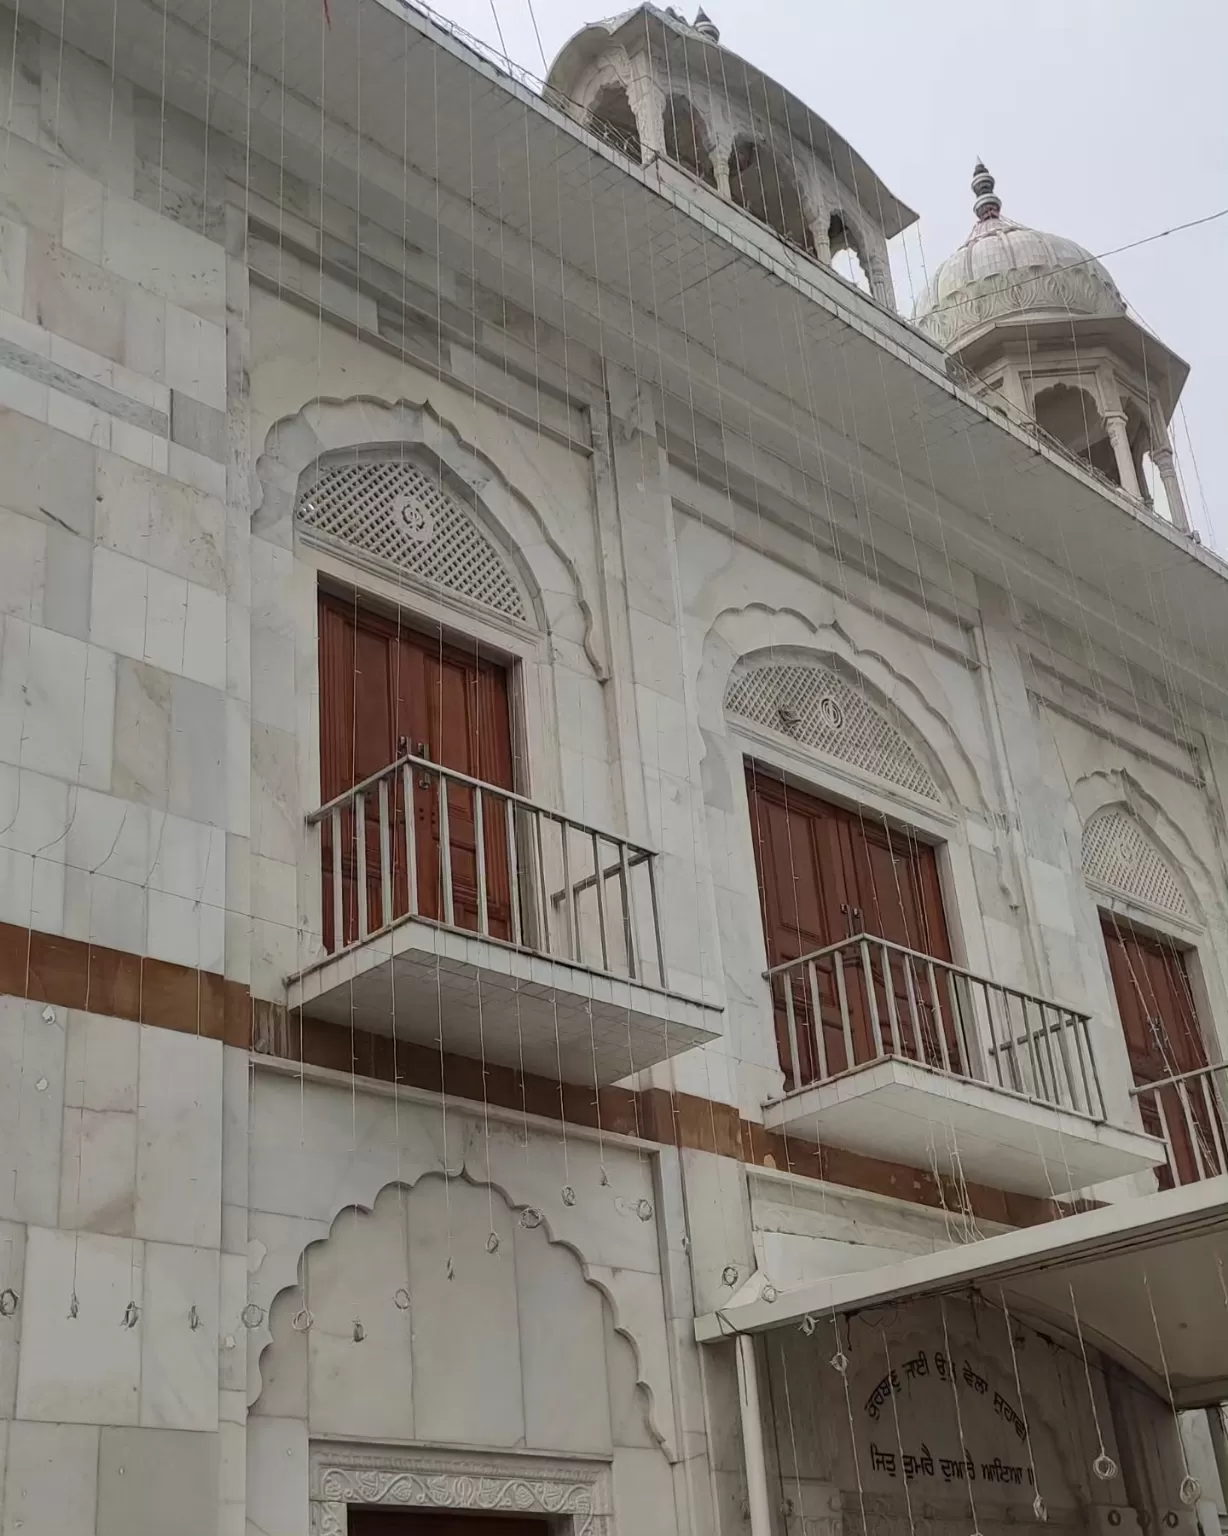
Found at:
[577, 1492]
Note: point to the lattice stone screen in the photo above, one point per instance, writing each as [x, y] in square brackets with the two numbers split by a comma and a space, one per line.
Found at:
[1118, 855]
[818, 708]
[396, 512]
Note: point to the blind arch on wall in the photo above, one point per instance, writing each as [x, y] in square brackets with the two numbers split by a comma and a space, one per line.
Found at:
[400, 514]
[814, 706]
[1121, 857]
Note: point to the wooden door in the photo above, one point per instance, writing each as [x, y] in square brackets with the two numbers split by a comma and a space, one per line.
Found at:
[388, 1522]
[1163, 1038]
[826, 872]
[386, 690]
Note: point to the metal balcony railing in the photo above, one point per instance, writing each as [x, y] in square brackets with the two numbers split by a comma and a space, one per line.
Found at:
[1186, 1111]
[865, 1000]
[418, 840]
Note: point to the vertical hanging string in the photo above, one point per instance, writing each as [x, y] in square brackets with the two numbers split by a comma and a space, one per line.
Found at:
[1190, 1490]
[959, 1417]
[1039, 1508]
[1104, 1466]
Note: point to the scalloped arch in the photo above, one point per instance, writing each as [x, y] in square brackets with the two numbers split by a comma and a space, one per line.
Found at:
[1191, 885]
[643, 1384]
[323, 428]
[737, 636]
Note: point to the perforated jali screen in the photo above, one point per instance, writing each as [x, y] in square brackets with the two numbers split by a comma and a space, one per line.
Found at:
[397, 512]
[818, 708]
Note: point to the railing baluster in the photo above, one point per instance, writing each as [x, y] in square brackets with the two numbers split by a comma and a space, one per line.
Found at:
[599, 884]
[1170, 1150]
[569, 895]
[1064, 1049]
[339, 938]
[445, 852]
[656, 922]
[871, 999]
[624, 877]
[795, 1059]
[1074, 1024]
[1054, 1093]
[360, 837]
[1097, 1108]
[918, 1023]
[999, 1052]
[411, 839]
[846, 1022]
[542, 894]
[939, 1019]
[479, 848]
[1038, 1079]
[1217, 1129]
[1191, 1127]
[385, 857]
[893, 1017]
[816, 1014]
[513, 871]
[959, 1019]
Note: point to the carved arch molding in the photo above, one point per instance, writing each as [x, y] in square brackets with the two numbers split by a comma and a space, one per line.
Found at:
[576, 1497]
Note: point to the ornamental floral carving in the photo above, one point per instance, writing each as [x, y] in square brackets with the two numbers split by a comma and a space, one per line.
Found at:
[406, 1479]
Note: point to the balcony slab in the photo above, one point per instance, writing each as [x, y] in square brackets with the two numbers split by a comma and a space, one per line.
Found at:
[912, 1114]
[426, 984]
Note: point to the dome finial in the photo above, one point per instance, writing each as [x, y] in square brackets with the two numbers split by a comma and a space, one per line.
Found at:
[988, 205]
[705, 26]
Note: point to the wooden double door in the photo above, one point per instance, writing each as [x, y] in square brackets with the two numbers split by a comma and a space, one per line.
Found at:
[388, 1522]
[1151, 981]
[827, 872]
[387, 690]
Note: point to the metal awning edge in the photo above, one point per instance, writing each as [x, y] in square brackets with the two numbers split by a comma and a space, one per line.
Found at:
[1142, 1222]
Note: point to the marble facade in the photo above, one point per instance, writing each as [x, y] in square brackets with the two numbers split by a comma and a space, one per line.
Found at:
[249, 1288]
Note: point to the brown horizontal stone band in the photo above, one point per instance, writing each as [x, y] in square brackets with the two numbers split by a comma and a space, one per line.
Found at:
[654, 1114]
[69, 973]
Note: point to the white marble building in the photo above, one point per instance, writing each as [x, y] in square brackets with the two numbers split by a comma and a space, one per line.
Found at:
[514, 471]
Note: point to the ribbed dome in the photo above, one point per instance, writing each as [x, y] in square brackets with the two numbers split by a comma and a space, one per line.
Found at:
[1004, 271]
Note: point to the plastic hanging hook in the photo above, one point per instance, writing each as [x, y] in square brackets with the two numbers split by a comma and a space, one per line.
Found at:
[1104, 1467]
[729, 1275]
[643, 1209]
[492, 1242]
[360, 1332]
[1039, 1509]
[302, 1320]
[132, 1315]
[401, 1297]
[252, 1315]
[530, 1217]
[74, 1306]
[840, 1363]
[569, 1195]
[9, 1302]
[193, 1318]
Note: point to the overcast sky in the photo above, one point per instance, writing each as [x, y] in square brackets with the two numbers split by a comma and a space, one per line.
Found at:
[1103, 120]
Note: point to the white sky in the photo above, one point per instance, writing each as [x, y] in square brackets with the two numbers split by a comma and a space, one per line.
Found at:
[1103, 120]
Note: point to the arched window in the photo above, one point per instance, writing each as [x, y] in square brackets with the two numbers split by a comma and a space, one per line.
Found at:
[1072, 416]
[847, 257]
[762, 184]
[686, 139]
[611, 116]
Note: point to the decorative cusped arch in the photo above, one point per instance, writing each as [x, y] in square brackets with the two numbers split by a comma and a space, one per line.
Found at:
[884, 699]
[1131, 851]
[294, 1300]
[324, 434]
[306, 1195]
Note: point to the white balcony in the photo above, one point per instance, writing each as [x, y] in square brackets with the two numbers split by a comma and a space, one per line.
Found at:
[493, 927]
[900, 1056]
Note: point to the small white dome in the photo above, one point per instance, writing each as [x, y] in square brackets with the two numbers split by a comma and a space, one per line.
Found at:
[1006, 271]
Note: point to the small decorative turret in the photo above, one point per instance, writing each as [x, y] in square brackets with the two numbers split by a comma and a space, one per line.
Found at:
[988, 205]
[706, 27]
